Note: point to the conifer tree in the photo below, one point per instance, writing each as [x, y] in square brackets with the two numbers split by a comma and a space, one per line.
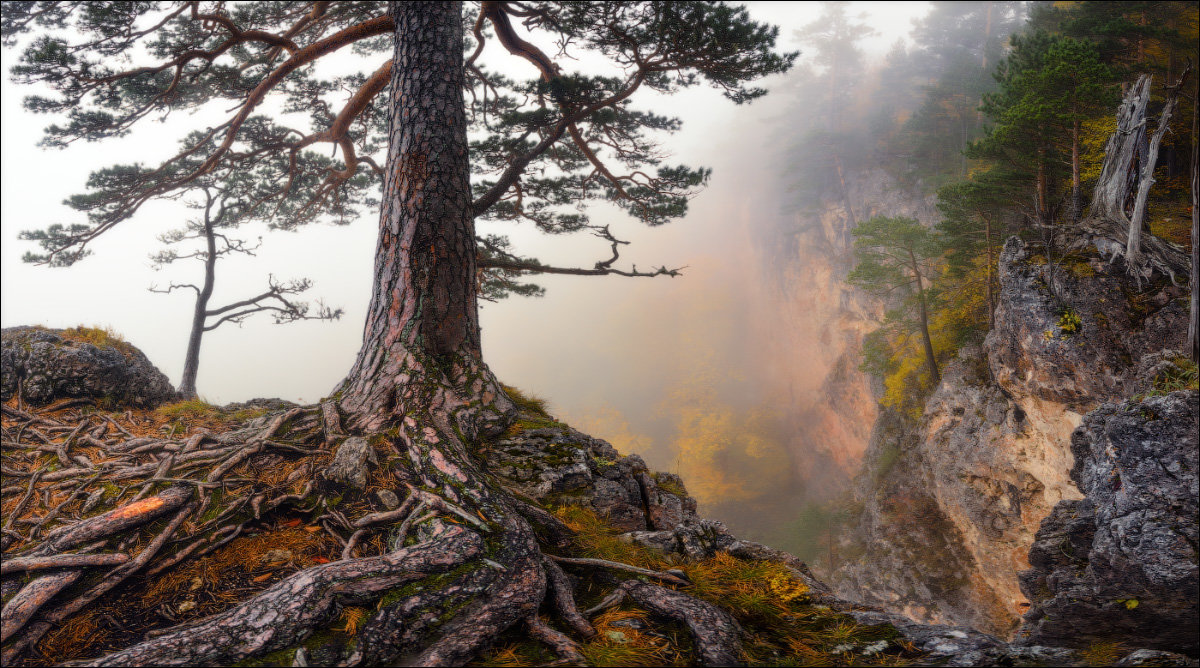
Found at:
[972, 225]
[472, 565]
[214, 229]
[898, 254]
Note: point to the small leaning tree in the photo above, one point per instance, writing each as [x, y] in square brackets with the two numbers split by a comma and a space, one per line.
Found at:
[463, 143]
[213, 228]
[895, 258]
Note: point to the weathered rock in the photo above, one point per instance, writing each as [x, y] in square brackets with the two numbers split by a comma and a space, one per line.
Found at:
[567, 466]
[906, 552]
[273, 404]
[1151, 657]
[963, 646]
[1121, 564]
[951, 501]
[48, 364]
[388, 499]
[666, 508]
[349, 465]
[1072, 332]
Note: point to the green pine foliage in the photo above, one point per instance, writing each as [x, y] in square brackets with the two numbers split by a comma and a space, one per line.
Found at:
[543, 148]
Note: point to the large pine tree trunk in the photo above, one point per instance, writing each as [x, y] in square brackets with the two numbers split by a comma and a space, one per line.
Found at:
[422, 328]
[1194, 319]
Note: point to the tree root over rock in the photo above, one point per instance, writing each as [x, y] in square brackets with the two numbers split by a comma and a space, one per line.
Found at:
[148, 528]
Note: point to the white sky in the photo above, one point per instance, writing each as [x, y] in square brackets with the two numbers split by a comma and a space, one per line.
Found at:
[561, 346]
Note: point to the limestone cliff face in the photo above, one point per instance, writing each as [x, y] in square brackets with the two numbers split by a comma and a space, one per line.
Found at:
[951, 503]
[819, 324]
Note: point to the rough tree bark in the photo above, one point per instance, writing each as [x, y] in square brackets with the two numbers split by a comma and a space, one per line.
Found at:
[1194, 321]
[422, 323]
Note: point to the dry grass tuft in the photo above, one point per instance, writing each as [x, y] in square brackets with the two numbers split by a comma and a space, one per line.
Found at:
[352, 619]
[596, 539]
[528, 403]
[1103, 654]
[751, 590]
[101, 337]
[619, 645]
[188, 409]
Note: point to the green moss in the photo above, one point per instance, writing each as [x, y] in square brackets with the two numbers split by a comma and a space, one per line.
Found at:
[670, 485]
[888, 457]
[101, 337]
[188, 409]
[1182, 374]
[247, 414]
[439, 581]
[283, 657]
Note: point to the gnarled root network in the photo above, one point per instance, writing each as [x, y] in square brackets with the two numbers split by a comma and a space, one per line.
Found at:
[151, 525]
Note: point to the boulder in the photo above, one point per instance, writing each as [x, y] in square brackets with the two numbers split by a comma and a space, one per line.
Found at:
[1121, 564]
[47, 364]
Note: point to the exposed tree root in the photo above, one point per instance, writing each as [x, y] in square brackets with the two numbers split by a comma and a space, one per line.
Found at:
[562, 645]
[564, 599]
[716, 633]
[613, 565]
[62, 561]
[288, 611]
[22, 606]
[432, 581]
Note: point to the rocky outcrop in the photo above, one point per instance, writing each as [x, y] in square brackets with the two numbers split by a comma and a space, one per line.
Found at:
[950, 503]
[963, 646]
[47, 364]
[1121, 564]
[1073, 331]
[557, 463]
[547, 463]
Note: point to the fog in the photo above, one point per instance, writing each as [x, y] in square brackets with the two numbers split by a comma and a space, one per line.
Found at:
[701, 374]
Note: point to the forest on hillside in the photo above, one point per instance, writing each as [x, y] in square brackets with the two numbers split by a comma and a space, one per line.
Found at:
[1000, 111]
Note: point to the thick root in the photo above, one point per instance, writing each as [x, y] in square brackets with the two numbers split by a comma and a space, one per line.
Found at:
[287, 612]
[22, 606]
[716, 633]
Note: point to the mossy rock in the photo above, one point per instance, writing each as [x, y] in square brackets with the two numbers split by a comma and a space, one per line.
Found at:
[48, 364]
